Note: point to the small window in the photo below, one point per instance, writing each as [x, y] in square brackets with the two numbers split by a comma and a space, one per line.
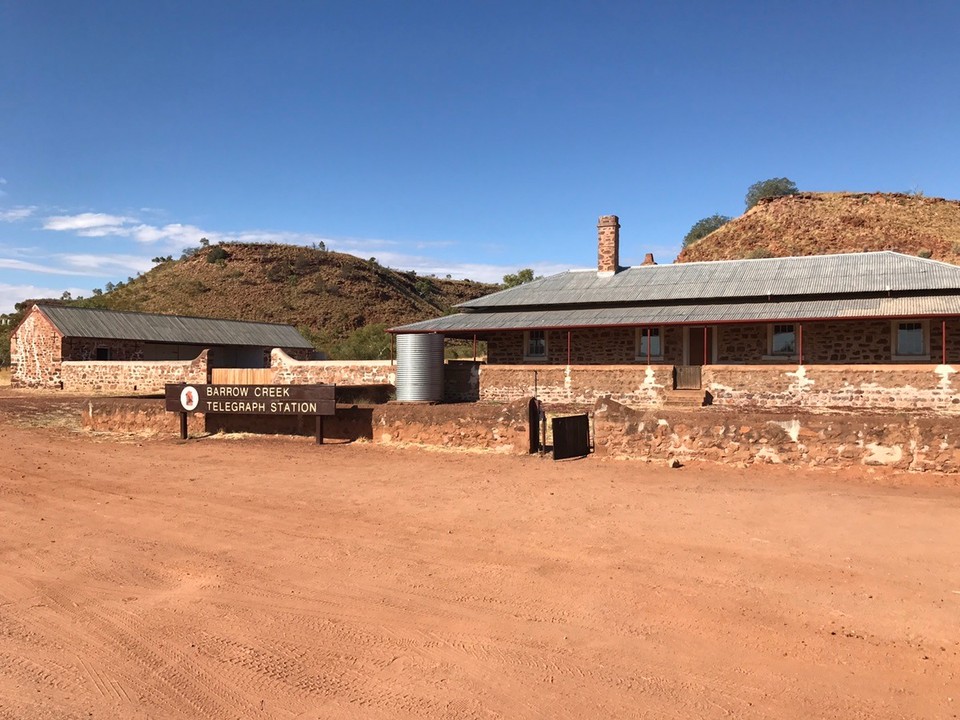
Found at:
[910, 340]
[103, 353]
[535, 345]
[649, 343]
[783, 340]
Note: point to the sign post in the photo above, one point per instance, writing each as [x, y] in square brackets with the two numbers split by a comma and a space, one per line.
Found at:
[318, 400]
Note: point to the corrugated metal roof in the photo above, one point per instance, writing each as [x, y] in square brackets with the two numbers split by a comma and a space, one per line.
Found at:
[867, 272]
[849, 308]
[149, 327]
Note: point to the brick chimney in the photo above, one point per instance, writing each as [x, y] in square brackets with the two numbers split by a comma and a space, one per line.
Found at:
[648, 259]
[608, 245]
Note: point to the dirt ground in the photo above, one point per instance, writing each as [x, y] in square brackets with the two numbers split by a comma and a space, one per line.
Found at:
[270, 578]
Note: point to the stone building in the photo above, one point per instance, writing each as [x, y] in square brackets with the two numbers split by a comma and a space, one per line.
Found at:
[144, 344]
[854, 310]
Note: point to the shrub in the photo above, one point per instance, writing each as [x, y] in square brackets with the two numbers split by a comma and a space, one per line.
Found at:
[370, 342]
[759, 253]
[926, 254]
[217, 255]
[704, 227]
[278, 272]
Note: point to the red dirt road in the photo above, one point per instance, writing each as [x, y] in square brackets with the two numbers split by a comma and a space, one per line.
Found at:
[274, 579]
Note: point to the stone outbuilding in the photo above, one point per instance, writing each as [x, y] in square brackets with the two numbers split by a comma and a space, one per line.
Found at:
[145, 343]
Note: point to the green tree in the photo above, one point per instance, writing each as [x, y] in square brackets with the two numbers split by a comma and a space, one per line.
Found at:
[519, 278]
[774, 187]
[217, 255]
[371, 342]
[704, 227]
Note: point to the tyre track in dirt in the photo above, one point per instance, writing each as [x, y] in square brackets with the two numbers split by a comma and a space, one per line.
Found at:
[215, 581]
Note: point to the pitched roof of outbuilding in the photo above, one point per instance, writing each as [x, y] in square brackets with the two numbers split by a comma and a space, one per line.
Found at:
[150, 327]
[862, 285]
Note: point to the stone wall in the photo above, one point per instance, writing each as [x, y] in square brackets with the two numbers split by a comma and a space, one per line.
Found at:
[461, 381]
[141, 377]
[594, 346]
[289, 371]
[501, 428]
[86, 349]
[905, 441]
[896, 387]
[841, 342]
[35, 352]
[635, 385]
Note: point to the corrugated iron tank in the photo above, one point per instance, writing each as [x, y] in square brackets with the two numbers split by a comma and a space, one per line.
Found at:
[420, 368]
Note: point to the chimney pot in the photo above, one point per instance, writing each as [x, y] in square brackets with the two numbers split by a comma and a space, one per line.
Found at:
[608, 245]
[648, 259]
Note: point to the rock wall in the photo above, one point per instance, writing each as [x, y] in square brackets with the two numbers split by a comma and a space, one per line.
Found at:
[734, 436]
[635, 385]
[847, 342]
[289, 371]
[888, 387]
[476, 427]
[128, 377]
[86, 349]
[904, 441]
[599, 346]
[461, 381]
[35, 352]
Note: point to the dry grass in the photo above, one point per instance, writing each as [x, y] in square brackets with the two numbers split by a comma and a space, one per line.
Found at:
[822, 223]
[330, 293]
[4, 376]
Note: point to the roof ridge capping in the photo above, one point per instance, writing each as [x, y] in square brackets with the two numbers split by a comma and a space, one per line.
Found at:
[74, 308]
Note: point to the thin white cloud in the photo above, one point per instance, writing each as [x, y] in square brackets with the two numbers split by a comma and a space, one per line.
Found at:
[11, 264]
[18, 213]
[10, 295]
[484, 272]
[90, 264]
[177, 236]
[86, 223]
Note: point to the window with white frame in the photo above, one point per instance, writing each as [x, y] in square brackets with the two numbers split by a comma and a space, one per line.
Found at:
[783, 339]
[535, 345]
[909, 338]
[649, 343]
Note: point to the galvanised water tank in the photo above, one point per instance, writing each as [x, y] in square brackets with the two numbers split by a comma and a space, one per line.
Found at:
[420, 368]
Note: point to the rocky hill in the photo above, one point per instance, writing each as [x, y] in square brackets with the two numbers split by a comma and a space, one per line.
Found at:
[821, 223]
[327, 295]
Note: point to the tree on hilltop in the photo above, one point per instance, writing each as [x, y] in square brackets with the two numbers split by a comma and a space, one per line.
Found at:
[774, 187]
[704, 227]
[519, 278]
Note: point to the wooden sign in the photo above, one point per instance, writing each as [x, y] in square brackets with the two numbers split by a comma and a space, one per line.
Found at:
[252, 399]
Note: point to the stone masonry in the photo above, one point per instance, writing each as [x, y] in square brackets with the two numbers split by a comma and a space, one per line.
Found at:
[824, 343]
[142, 377]
[594, 346]
[289, 371]
[35, 353]
[581, 384]
[608, 245]
[912, 388]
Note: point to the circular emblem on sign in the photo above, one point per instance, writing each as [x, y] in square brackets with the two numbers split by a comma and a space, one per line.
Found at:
[189, 398]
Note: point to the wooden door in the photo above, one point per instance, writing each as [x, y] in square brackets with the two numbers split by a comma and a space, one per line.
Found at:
[701, 345]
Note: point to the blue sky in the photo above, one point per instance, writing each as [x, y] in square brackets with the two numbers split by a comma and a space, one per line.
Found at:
[470, 138]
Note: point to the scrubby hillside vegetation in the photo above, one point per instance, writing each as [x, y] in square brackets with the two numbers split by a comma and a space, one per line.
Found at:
[821, 223]
[341, 302]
